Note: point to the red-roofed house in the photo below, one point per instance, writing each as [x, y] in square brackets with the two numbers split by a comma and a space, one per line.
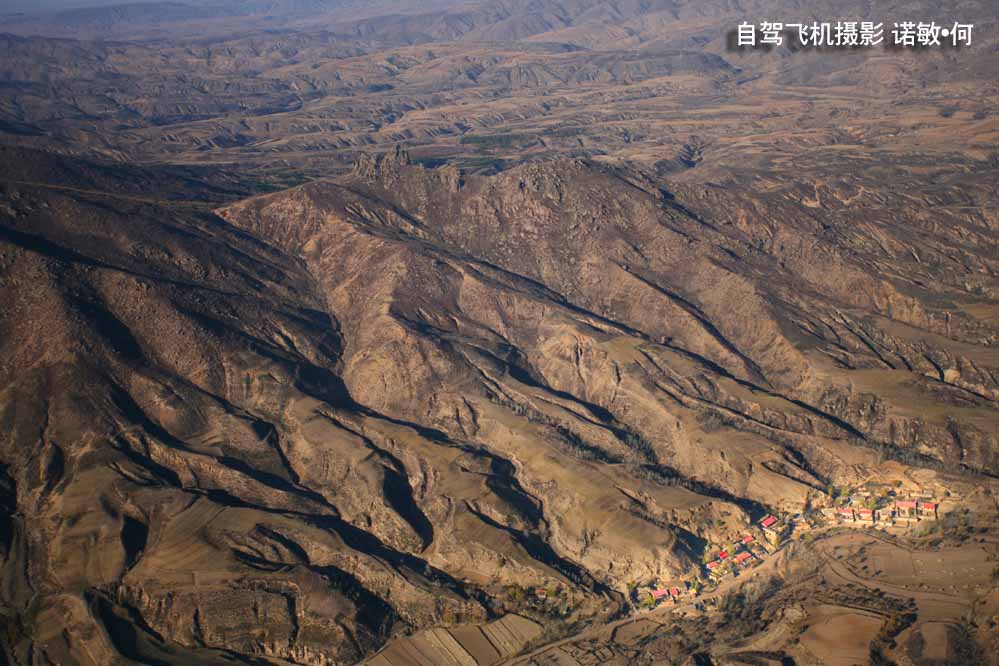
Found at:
[906, 508]
[748, 539]
[866, 515]
[928, 508]
[659, 594]
[712, 565]
[741, 557]
[675, 592]
[722, 555]
[845, 513]
[768, 522]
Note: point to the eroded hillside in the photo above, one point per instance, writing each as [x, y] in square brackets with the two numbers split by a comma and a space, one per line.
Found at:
[311, 420]
[329, 325]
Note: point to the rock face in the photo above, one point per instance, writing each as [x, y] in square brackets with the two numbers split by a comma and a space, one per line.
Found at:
[293, 426]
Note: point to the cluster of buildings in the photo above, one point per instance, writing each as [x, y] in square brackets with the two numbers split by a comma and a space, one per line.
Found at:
[748, 551]
[851, 515]
[885, 510]
[664, 595]
[863, 509]
[914, 510]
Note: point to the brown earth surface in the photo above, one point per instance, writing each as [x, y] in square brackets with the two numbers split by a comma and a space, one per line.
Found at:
[336, 337]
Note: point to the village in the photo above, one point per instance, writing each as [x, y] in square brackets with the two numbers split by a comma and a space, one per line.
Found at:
[889, 507]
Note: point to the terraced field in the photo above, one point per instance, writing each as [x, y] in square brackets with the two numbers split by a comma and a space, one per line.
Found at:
[482, 645]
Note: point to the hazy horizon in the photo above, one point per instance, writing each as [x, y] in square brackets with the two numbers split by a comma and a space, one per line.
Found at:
[36, 6]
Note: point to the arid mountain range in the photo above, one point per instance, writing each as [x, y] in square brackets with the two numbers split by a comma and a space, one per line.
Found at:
[326, 326]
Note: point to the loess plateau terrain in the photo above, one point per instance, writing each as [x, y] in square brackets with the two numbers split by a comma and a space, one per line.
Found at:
[431, 333]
